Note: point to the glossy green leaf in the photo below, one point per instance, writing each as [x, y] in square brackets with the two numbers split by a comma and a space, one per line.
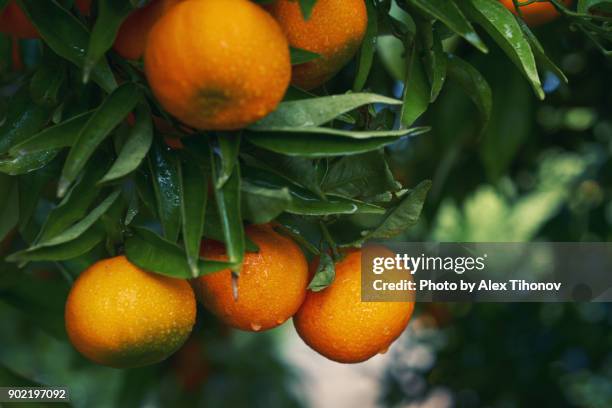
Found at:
[503, 27]
[163, 166]
[23, 119]
[194, 197]
[260, 205]
[435, 64]
[135, 148]
[324, 275]
[75, 205]
[364, 175]
[540, 55]
[305, 202]
[66, 36]
[83, 225]
[26, 163]
[317, 111]
[353, 134]
[404, 216]
[474, 84]
[213, 229]
[228, 146]
[113, 110]
[316, 146]
[228, 199]
[368, 48]
[55, 137]
[300, 56]
[111, 13]
[151, 252]
[447, 12]
[71, 249]
[417, 92]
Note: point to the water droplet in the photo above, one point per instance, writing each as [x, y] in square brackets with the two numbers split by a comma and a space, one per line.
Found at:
[280, 321]
[384, 350]
[256, 327]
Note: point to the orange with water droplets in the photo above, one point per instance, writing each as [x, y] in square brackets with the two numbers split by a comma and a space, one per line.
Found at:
[335, 31]
[271, 286]
[217, 64]
[336, 323]
[122, 316]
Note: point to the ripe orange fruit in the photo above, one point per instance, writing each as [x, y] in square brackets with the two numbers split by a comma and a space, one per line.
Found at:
[337, 324]
[122, 316]
[13, 21]
[335, 31]
[536, 14]
[271, 286]
[217, 64]
[132, 36]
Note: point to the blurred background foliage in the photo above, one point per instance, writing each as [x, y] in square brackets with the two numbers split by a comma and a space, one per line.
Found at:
[540, 170]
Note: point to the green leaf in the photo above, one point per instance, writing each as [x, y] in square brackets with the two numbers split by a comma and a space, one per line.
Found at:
[71, 249]
[66, 36]
[213, 229]
[300, 56]
[54, 137]
[417, 92]
[135, 147]
[83, 225]
[317, 111]
[75, 204]
[111, 13]
[306, 7]
[364, 175]
[194, 197]
[503, 27]
[23, 119]
[228, 200]
[447, 12]
[22, 164]
[368, 48]
[30, 194]
[325, 274]
[151, 252]
[436, 64]
[474, 84]
[260, 205]
[228, 146]
[304, 202]
[539, 53]
[163, 167]
[9, 205]
[353, 134]
[113, 110]
[316, 146]
[404, 216]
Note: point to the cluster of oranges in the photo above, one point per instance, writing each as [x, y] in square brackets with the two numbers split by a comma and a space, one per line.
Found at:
[122, 316]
